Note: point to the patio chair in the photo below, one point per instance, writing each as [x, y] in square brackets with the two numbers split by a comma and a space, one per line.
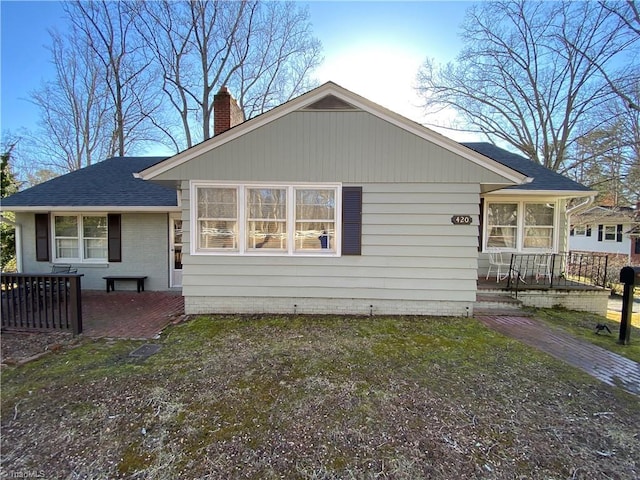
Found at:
[497, 262]
[542, 266]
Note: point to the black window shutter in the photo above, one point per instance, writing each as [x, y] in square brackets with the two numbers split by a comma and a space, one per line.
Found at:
[115, 243]
[572, 232]
[480, 224]
[619, 232]
[637, 246]
[42, 237]
[600, 228]
[588, 230]
[351, 220]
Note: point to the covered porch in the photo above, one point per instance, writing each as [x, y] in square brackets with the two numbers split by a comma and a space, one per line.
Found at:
[576, 281]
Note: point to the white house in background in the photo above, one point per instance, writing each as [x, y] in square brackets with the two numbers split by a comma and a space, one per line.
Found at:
[328, 203]
[608, 230]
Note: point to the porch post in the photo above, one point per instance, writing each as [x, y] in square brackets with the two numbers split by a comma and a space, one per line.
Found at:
[75, 304]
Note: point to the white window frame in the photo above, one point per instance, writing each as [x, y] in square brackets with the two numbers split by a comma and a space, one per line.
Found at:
[80, 225]
[520, 230]
[580, 230]
[242, 247]
[604, 233]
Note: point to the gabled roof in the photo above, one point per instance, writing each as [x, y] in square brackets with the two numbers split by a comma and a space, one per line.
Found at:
[118, 184]
[544, 179]
[108, 185]
[331, 96]
[610, 215]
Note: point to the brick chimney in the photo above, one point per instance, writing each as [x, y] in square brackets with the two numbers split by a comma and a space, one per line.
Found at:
[226, 112]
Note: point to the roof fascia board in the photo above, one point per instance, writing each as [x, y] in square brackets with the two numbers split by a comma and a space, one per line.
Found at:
[357, 101]
[547, 193]
[100, 208]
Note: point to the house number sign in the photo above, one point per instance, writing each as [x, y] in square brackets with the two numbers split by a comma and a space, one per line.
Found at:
[461, 219]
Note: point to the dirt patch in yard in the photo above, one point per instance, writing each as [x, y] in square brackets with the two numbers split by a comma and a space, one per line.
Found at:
[315, 398]
[20, 347]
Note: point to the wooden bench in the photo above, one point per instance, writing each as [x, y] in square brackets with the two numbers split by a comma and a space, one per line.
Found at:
[111, 279]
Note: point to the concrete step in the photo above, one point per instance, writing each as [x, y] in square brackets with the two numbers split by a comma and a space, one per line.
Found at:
[496, 303]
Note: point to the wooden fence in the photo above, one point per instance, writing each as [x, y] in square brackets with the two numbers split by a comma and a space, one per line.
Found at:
[41, 302]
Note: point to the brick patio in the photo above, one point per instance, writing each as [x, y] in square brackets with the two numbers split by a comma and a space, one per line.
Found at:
[129, 314]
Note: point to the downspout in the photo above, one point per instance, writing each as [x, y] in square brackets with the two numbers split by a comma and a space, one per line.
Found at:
[18, 228]
[577, 209]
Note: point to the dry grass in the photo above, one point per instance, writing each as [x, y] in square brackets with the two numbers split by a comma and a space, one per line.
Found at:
[316, 398]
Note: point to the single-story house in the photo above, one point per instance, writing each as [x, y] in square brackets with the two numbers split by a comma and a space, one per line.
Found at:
[328, 203]
[607, 230]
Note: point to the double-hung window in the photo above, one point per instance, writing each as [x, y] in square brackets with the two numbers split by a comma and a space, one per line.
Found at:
[519, 225]
[609, 233]
[266, 219]
[315, 219]
[579, 231]
[502, 225]
[80, 238]
[538, 225]
[217, 218]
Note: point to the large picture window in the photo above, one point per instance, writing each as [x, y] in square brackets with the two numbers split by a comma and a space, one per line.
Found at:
[266, 219]
[520, 226]
[80, 238]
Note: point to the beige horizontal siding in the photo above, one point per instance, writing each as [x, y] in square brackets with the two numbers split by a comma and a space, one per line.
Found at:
[405, 255]
[332, 147]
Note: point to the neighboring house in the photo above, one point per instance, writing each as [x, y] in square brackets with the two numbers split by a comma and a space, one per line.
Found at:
[326, 204]
[610, 230]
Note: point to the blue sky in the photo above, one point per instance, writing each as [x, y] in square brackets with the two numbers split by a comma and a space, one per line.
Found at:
[372, 48]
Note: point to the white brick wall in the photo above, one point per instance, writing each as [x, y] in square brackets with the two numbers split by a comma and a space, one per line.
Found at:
[256, 305]
[582, 301]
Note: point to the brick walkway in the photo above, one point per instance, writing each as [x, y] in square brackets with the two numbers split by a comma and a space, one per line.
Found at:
[604, 365]
[129, 314]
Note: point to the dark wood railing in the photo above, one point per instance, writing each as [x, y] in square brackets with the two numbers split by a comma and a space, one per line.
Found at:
[41, 302]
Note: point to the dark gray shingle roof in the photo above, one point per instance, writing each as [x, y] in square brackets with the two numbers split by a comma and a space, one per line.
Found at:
[111, 183]
[543, 178]
[107, 183]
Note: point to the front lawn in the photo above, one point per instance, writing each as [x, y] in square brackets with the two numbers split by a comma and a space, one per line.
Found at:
[315, 398]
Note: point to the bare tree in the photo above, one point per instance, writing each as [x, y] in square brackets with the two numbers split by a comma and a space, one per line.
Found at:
[108, 29]
[74, 110]
[521, 78]
[608, 159]
[625, 77]
[263, 51]
[276, 62]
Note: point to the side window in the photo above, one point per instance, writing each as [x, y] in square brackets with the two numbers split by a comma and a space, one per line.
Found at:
[80, 238]
[538, 225]
[502, 225]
